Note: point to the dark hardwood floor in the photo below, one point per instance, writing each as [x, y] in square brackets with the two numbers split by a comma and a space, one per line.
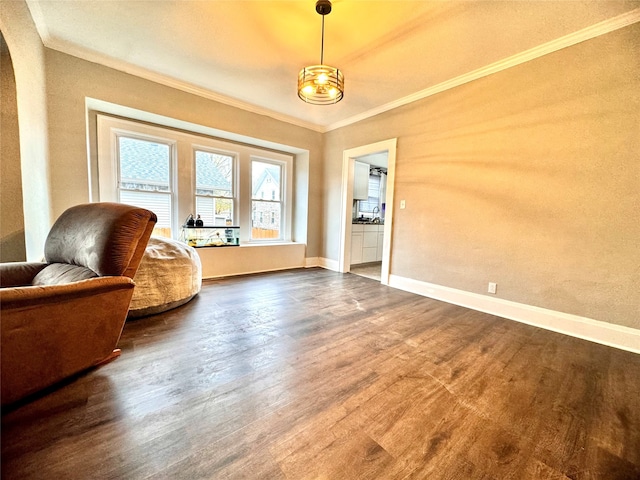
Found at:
[312, 374]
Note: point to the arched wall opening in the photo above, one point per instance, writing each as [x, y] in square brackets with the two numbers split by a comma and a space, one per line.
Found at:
[12, 241]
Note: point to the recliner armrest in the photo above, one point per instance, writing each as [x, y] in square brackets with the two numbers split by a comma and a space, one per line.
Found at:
[18, 274]
[31, 296]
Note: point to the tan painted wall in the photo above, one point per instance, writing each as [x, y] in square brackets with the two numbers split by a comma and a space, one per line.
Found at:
[529, 178]
[12, 248]
[70, 80]
[27, 55]
[229, 261]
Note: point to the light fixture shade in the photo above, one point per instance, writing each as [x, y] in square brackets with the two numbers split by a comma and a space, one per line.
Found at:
[320, 85]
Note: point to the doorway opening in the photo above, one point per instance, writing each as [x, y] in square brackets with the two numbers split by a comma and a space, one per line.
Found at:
[366, 220]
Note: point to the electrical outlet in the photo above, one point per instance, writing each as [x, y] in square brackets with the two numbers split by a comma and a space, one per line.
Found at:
[492, 287]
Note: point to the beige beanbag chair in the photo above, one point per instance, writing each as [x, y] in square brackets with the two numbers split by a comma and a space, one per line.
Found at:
[170, 274]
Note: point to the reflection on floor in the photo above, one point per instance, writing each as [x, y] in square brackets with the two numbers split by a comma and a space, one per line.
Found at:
[369, 270]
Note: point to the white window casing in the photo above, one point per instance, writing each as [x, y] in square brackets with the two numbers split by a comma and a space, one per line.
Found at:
[182, 195]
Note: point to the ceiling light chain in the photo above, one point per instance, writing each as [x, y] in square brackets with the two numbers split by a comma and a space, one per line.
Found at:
[322, 43]
[321, 84]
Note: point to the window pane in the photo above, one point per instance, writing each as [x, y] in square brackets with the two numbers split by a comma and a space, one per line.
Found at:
[158, 203]
[266, 219]
[144, 165]
[367, 206]
[214, 174]
[205, 207]
[224, 211]
[214, 211]
[144, 174]
[265, 180]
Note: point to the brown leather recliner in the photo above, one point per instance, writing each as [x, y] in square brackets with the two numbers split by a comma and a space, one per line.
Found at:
[65, 315]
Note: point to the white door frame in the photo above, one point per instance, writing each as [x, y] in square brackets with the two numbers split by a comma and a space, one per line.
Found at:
[348, 159]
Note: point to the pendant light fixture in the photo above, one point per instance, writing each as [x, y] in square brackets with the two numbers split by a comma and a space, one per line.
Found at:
[321, 84]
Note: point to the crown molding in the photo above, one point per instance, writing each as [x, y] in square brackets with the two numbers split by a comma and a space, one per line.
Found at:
[38, 20]
[171, 82]
[588, 33]
[110, 62]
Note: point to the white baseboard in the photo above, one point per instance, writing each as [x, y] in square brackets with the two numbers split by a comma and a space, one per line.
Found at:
[310, 262]
[617, 336]
[322, 262]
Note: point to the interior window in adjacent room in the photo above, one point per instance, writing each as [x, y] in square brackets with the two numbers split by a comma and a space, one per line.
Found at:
[367, 207]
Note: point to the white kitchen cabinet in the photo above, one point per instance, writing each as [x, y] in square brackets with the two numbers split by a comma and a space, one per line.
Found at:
[356, 243]
[361, 181]
[369, 254]
[370, 236]
[366, 243]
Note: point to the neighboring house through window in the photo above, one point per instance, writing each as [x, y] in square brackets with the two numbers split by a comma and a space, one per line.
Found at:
[266, 199]
[214, 187]
[144, 177]
[176, 173]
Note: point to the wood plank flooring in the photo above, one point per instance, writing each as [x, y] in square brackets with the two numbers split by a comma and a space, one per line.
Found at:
[369, 270]
[312, 374]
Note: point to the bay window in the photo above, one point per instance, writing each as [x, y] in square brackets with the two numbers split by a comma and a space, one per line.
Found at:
[176, 174]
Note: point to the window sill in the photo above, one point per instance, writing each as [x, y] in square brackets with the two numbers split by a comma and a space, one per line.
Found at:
[268, 244]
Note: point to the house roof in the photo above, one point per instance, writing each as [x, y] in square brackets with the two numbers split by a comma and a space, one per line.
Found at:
[208, 174]
[149, 161]
[143, 160]
[269, 172]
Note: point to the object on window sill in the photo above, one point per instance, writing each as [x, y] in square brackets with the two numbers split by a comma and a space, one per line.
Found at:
[213, 236]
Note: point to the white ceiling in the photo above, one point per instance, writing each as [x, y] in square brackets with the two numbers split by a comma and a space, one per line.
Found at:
[248, 52]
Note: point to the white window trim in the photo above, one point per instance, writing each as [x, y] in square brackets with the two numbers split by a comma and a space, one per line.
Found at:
[235, 168]
[183, 180]
[286, 187]
[108, 161]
